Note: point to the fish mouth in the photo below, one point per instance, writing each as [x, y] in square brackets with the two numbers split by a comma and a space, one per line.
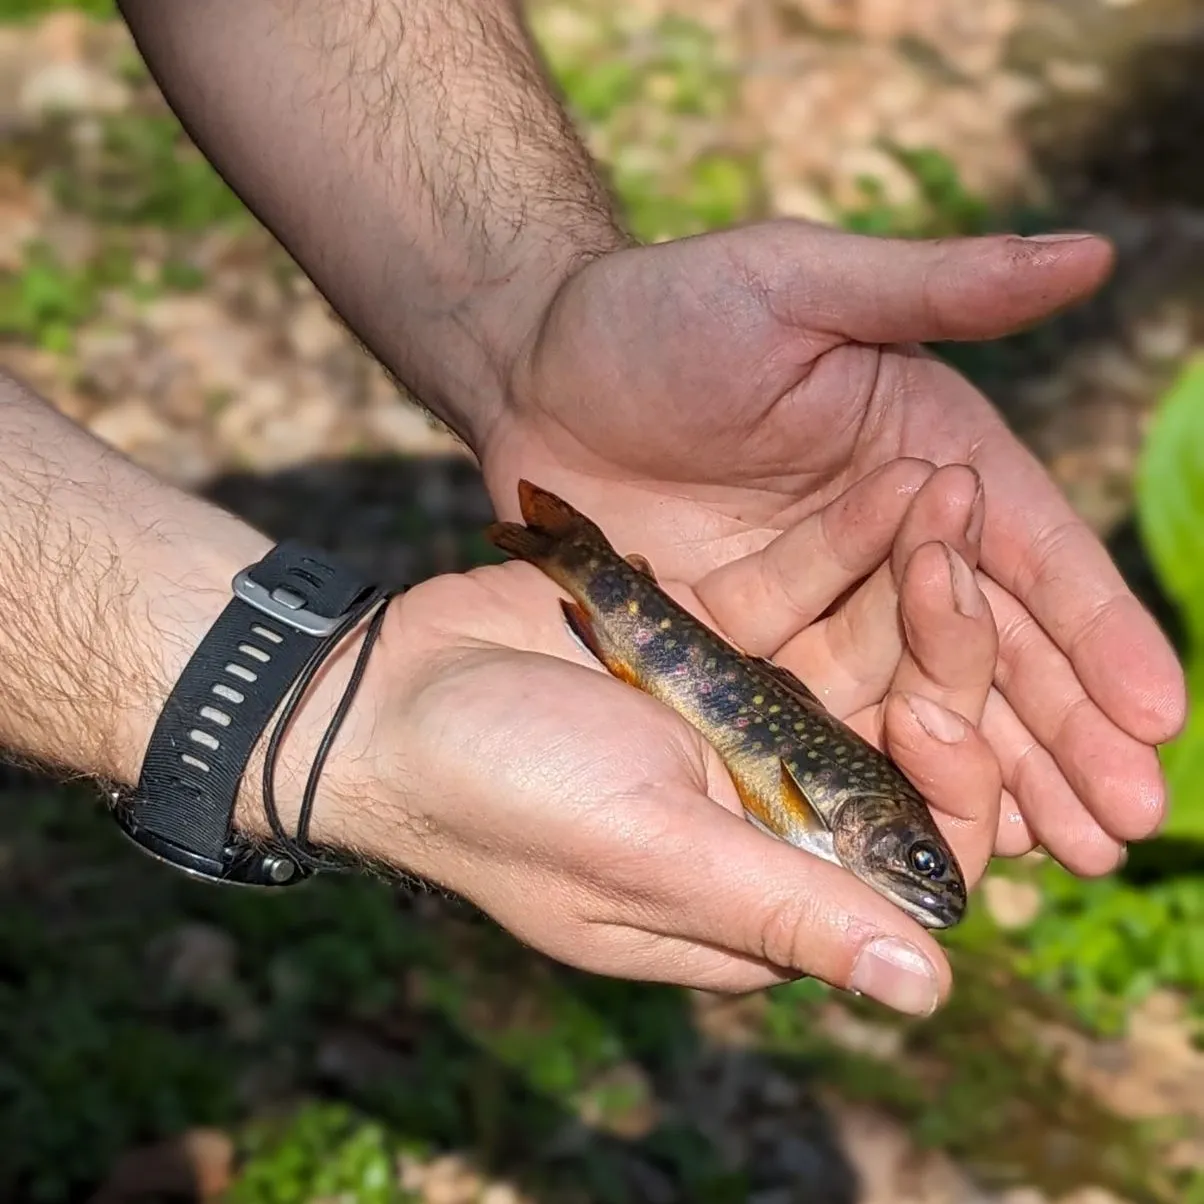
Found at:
[934, 909]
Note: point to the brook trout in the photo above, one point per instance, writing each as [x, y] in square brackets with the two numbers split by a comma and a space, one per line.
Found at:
[802, 775]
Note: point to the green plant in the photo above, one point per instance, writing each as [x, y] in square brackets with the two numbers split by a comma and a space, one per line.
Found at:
[324, 1151]
[22, 10]
[1170, 514]
[150, 173]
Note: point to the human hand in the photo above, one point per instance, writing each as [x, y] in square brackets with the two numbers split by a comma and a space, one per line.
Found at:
[698, 398]
[489, 754]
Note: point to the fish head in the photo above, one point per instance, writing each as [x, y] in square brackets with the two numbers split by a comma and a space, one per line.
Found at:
[892, 845]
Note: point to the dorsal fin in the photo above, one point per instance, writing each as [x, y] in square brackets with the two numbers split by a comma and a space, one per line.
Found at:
[786, 679]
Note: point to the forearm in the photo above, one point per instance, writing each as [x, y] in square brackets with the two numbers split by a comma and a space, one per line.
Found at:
[108, 579]
[412, 158]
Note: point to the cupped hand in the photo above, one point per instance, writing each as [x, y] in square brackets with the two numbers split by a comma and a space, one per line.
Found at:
[698, 398]
[491, 755]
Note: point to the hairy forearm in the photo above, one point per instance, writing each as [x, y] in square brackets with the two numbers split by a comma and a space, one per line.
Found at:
[108, 579]
[411, 157]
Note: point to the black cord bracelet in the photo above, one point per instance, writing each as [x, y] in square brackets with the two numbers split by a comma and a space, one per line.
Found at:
[298, 845]
[288, 613]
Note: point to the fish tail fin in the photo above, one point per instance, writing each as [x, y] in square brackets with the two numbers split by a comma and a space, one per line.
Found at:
[526, 543]
[552, 514]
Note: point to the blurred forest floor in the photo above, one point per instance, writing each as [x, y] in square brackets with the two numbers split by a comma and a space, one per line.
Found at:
[351, 1043]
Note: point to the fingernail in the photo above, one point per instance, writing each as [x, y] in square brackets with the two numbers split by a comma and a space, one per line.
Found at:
[978, 512]
[898, 975]
[966, 595]
[1060, 236]
[939, 723]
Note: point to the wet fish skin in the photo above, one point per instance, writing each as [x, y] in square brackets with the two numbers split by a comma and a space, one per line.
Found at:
[802, 774]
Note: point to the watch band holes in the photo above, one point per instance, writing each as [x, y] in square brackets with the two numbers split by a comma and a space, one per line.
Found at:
[200, 737]
[256, 653]
[215, 716]
[189, 759]
[312, 578]
[241, 671]
[229, 693]
[266, 633]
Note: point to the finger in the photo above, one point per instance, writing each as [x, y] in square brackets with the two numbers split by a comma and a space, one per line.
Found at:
[855, 651]
[951, 636]
[1053, 813]
[1041, 552]
[732, 887]
[766, 597]
[619, 951]
[1013, 838]
[1012, 744]
[954, 768]
[1118, 778]
[891, 290]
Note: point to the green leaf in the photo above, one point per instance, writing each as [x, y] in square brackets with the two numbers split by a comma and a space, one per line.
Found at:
[1170, 516]
[1170, 495]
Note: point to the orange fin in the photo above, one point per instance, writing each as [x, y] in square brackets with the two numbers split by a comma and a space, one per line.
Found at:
[752, 803]
[580, 626]
[641, 565]
[785, 679]
[583, 629]
[543, 509]
[791, 808]
[536, 546]
[797, 805]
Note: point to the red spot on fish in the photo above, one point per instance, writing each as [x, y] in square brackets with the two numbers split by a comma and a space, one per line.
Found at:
[740, 722]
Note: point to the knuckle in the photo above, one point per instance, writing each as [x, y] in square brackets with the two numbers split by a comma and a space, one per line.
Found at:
[1047, 551]
[782, 930]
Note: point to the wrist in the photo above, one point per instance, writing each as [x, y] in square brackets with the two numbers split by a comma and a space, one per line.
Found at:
[185, 605]
[480, 349]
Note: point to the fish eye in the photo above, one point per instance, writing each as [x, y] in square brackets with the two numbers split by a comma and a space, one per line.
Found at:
[926, 859]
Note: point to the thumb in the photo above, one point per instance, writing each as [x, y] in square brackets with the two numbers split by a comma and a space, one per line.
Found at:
[733, 888]
[894, 290]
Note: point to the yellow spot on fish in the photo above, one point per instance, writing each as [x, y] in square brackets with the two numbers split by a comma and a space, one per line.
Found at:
[758, 699]
[666, 624]
[633, 607]
[773, 727]
[774, 709]
[841, 749]
[812, 755]
[710, 662]
[857, 765]
[742, 711]
[819, 739]
[802, 723]
[670, 643]
[808, 776]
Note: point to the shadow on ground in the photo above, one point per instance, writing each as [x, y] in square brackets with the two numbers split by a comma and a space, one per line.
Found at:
[134, 1004]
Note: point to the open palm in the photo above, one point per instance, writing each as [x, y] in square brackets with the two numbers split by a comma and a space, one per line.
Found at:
[698, 398]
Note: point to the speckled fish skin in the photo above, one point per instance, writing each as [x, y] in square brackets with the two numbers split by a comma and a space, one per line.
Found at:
[802, 774]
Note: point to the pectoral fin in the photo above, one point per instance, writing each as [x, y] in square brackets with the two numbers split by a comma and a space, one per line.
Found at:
[774, 802]
[581, 627]
[797, 806]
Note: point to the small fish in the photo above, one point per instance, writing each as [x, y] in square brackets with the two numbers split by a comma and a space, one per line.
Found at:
[801, 774]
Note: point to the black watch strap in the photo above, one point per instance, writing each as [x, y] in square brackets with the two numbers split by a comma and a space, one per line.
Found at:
[285, 610]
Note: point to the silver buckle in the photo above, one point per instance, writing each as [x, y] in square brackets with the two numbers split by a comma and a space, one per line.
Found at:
[283, 605]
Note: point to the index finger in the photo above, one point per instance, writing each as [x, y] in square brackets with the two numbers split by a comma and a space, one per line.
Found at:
[1037, 548]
